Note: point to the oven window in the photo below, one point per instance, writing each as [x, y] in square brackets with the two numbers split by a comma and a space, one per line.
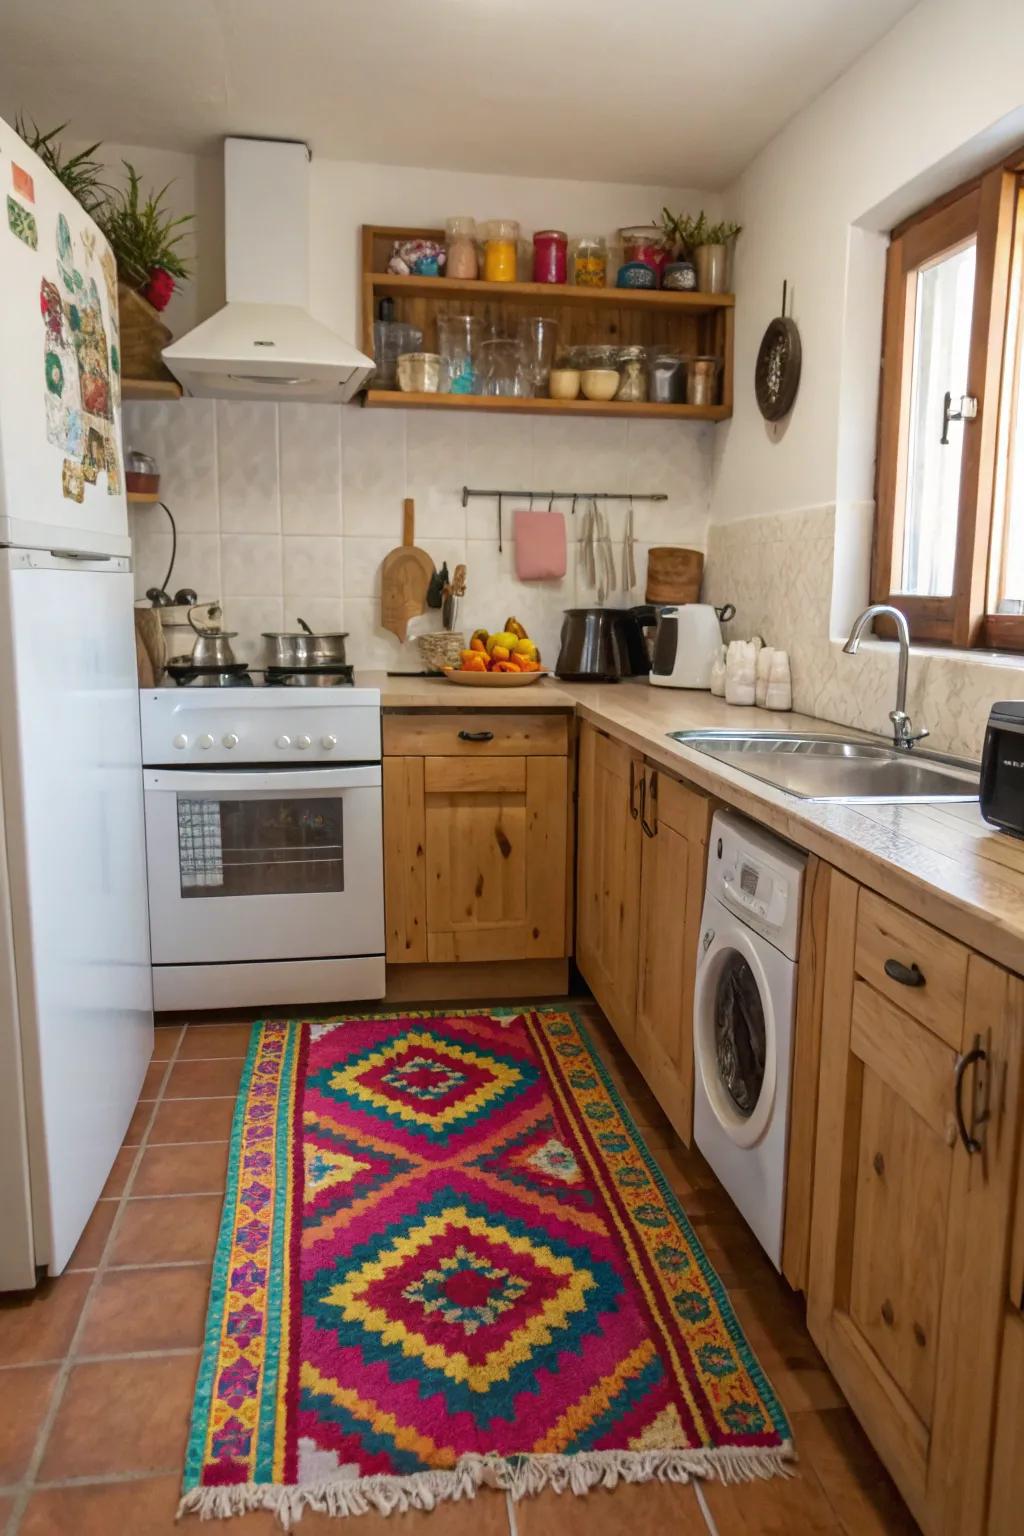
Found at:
[273, 847]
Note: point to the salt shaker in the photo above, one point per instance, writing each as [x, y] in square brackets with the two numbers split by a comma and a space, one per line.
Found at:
[718, 674]
[764, 661]
[779, 694]
[739, 673]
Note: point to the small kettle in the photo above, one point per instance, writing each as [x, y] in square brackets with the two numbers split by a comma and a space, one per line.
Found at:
[212, 645]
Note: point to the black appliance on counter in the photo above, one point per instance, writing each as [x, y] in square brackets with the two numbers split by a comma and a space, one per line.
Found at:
[1002, 767]
[602, 645]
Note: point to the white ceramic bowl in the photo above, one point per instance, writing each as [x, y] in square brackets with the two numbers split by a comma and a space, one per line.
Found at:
[600, 383]
[564, 383]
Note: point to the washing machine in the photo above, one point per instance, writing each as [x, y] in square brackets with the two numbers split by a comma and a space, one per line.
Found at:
[744, 1005]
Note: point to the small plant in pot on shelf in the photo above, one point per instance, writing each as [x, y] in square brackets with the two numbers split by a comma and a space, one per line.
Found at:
[705, 243]
[146, 241]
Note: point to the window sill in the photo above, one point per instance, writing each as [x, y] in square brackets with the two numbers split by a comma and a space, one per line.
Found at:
[997, 660]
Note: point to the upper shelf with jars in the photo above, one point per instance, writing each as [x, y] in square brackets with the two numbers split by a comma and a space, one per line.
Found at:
[482, 319]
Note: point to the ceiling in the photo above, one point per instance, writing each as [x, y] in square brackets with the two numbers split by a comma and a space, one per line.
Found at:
[642, 91]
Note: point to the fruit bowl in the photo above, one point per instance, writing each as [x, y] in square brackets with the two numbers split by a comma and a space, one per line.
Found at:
[493, 679]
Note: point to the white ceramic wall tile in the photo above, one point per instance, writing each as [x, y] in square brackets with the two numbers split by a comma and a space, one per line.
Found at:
[180, 436]
[571, 454]
[499, 453]
[312, 565]
[251, 616]
[361, 573]
[435, 466]
[250, 500]
[325, 614]
[251, 565]
[372, 471]
[310, 469]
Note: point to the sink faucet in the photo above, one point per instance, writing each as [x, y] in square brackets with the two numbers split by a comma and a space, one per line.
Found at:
[902, 735]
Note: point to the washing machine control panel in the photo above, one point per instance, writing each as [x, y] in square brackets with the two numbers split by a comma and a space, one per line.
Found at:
[758, 877]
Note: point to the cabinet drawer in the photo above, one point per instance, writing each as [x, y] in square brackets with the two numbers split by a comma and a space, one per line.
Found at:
[927, 971]
[496, 735]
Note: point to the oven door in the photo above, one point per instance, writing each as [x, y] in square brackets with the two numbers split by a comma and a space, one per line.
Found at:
[264, 864]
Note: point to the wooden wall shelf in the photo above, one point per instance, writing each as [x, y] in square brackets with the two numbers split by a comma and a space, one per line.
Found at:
[150, 389]
[695, 323]
[544, 407]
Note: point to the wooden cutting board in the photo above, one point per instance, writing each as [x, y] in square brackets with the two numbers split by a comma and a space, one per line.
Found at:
[404, 578]
[150, 646]
[674, 575]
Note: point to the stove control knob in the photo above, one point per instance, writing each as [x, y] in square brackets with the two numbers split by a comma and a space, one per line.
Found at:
[302, 742]
[230, 740]
[205, 742]
[328, 742]
[180, 742]
[282, 742]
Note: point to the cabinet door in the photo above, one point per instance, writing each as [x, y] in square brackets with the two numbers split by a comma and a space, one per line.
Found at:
[675, 823]
[405, 890]
[495, 839]
[909, 1245]
[608, 884]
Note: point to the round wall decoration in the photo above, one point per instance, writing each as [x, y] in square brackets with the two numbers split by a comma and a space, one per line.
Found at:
[777, 370]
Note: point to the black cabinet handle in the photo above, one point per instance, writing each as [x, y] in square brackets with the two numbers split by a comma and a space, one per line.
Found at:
[970, 1141]
[650, 827]
[476, 735]
[632, 789]
[906, 975]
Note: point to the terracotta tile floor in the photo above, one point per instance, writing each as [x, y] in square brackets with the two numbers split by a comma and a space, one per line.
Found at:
[97, 1368]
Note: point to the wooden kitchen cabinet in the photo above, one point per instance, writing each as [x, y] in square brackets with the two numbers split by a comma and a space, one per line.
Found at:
[910, 1240]
[475, 838]
[674, 823]
[642, 848]
[608, 875]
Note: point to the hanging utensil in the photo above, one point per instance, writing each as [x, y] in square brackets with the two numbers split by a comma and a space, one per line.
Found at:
[629, 552]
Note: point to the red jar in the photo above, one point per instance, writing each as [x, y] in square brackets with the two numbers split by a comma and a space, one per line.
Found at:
[550, 256]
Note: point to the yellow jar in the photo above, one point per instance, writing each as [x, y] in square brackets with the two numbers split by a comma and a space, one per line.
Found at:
[500, 251]
[590, 262]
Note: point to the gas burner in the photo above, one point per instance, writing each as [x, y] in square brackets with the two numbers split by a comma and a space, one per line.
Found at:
[327, 676]
[186, 675]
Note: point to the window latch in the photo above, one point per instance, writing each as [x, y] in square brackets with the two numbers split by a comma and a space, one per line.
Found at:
[967, 410]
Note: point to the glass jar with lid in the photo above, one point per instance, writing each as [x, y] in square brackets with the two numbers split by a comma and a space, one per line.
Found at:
[550, 256]
[462, 261]
[501, 240]
[632, 366]
[590, 262]
[667, 378]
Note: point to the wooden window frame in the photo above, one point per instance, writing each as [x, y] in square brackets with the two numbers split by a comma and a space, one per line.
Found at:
[988, 210]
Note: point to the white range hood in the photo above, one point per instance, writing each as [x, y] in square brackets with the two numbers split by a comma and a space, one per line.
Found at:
[264, 344]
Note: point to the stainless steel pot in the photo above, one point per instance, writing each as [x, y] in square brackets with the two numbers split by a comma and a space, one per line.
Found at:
[304, 648]
[601, 645]
[212, 645]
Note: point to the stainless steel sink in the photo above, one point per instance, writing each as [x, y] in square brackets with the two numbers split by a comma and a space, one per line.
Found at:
[838, 768]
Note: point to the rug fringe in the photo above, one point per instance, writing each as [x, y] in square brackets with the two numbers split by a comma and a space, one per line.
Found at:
[519, 1476]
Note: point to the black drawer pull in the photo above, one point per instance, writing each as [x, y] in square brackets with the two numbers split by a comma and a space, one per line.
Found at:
[906, 975]
[476, 735]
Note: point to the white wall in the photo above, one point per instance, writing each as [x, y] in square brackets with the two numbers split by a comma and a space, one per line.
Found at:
[922, 109]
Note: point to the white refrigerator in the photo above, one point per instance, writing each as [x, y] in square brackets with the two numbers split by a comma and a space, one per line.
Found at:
[76, 1021]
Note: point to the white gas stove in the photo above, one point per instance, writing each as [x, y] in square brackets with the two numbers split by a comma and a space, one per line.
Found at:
[263, 825]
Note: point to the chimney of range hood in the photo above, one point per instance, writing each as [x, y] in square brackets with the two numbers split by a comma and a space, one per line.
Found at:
[264, 344]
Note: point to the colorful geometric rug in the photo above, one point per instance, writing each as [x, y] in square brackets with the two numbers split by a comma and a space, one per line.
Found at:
[446, 1260]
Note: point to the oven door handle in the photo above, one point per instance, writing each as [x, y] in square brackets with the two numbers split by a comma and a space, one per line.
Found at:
[214, 781]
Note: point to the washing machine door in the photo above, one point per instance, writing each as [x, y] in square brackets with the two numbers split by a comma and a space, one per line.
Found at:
[735, 1038]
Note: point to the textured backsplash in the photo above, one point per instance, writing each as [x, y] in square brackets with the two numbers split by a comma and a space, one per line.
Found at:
[287, 510]
[778, 570]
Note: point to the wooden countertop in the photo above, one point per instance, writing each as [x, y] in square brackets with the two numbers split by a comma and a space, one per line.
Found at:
[942, 862]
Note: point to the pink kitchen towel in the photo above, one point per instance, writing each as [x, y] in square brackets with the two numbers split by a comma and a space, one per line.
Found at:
[540, 545]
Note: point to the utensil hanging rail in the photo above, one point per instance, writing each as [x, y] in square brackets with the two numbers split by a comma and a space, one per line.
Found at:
[570, 495]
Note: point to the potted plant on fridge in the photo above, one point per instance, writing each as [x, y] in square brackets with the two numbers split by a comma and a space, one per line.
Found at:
[706, 243]
[146, 241]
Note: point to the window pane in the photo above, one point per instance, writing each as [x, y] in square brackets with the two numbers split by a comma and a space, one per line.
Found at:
[942, 335]
[1007, 569]
[273, 847]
